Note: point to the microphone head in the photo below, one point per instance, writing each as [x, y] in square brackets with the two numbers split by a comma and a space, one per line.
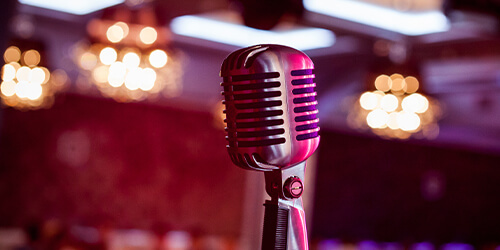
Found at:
[270, 106]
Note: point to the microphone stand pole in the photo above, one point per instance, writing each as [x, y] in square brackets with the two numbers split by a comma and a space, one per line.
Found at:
[284, 218]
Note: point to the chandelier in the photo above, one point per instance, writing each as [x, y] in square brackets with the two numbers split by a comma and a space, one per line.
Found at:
[130, 62]
[395, 109]
[25, 83]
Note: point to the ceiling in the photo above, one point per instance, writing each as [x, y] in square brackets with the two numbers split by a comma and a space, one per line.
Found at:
[459, 67]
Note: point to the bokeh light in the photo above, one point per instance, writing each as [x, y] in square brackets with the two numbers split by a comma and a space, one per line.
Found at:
[148, 35]
[88, 60]
[124, 28]
[31, 58]
[37, 76]
[115, 33]
[8, 88]
[23, 74]
[25, 84]
[133, 79]
[158, 58]
[383, 83]
[377, 118]
[389, 103]
[149, 78]
[108, 56]
[396, 110]
[8, 72]
[408, 121]
[129, 62]
[12, 54]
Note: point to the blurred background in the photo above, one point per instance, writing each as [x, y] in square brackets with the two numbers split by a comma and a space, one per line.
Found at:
[112, 132]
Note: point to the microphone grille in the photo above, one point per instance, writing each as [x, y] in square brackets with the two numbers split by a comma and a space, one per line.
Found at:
[304, 93]
[253, 102]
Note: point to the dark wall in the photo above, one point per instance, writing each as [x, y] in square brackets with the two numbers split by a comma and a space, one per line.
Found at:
[373, 189]
[94, 161]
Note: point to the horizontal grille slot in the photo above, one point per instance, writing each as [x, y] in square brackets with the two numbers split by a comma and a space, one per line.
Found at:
[302, 81]
[257, 95]
[259, 114]
[301, 72]
[307, 136]
[303, 91]
[256, 76]
[306, 127]
[305, 118]
[260, 143]
[262, 133]
[256, 105]
[304, 109]
[253, 86]
[259, 124]
[304, 99]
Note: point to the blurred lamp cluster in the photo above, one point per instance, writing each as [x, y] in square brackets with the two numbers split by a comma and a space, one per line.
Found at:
[26, 84]
[128, 64]
[396, 110]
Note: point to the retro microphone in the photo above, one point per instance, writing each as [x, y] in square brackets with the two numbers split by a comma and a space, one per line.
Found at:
[272, 126]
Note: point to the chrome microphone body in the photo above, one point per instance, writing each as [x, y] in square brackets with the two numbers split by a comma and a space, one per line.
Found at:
[272, 126]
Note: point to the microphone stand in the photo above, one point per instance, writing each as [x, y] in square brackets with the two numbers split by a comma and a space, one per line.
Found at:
[284, 218]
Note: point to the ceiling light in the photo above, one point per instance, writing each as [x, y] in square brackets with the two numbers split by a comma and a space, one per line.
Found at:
[242, 36]
[79, 7]
[404, 22]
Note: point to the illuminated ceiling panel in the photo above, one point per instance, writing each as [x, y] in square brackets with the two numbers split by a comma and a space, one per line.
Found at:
[77, 7]
[229, 31]
[410, 23]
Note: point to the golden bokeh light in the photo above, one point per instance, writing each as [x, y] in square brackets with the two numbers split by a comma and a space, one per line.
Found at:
[8, 72]
[408, 121]
[396, 76]
[383, 83]
[31, 58]
[115, 33]
[377, 118]
[23, 74]
[12, 54]
[131, 60]
[16, 65]
[368, 101]
[389, 103]
[8, 88]
[412, 84]
[26, 85]
[158, 58]
[396, 110]
[133, 79]
[415, 103]
[149, 78]
[108, 56]
[88, 60]
[47, 75]
[100, 74]
[398, 85]
[37, 76]
[392, 121]
[148, 35]
[124, 28]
